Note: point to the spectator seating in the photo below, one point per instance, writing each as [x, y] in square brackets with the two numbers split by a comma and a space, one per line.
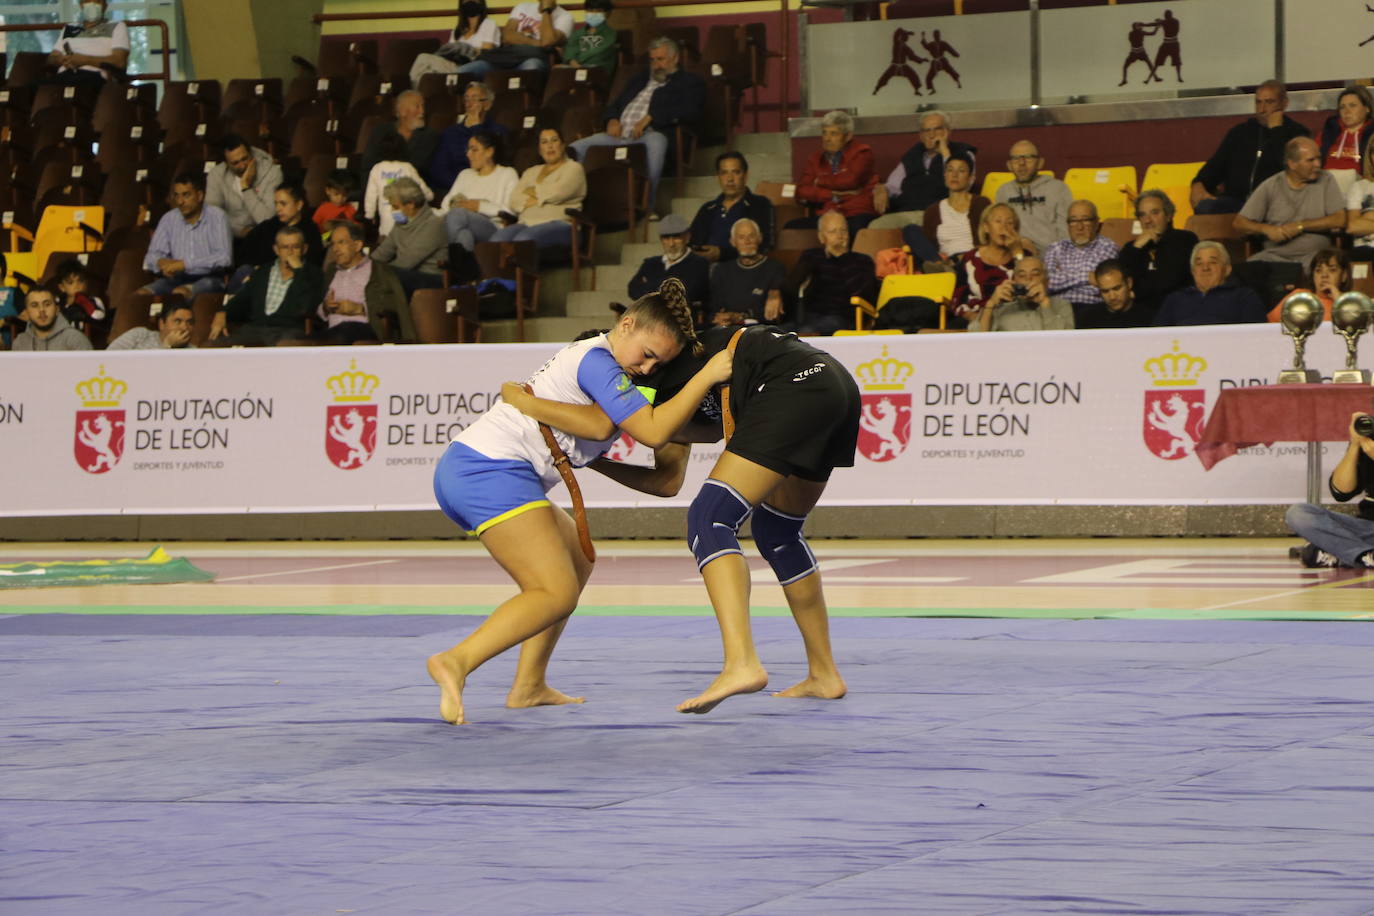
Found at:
[1176, 180]
[1112, 188]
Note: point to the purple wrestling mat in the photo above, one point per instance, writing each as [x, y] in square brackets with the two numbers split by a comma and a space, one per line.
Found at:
[269, 765]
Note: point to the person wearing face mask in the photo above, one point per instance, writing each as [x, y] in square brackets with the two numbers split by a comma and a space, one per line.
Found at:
[473, 34]
[84, 49]
[595, 43]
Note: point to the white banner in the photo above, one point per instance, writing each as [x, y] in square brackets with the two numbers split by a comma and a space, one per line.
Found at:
[1152, 48]
[1077, 417]
[1327, 40]
[892, 66]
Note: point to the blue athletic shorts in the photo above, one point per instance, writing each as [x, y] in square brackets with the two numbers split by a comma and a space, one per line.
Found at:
[478, 492]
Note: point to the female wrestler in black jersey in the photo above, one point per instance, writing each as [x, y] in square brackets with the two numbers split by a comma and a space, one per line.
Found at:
[796, 412]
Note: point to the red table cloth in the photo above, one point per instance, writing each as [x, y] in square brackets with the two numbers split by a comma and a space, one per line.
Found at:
[1279, 413]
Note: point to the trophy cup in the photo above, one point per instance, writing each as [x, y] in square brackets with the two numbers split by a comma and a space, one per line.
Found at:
[1302, 315]
[1350, 318]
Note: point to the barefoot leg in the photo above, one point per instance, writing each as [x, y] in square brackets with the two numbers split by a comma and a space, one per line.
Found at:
[530, 687]
[806, 599]
[727, 582]
[531, 549]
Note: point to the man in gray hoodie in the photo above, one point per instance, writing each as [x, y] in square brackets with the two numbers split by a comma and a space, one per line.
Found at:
[47, 329]
[1040, 201]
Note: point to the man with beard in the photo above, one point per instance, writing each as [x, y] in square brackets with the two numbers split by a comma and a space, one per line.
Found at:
[47, 329]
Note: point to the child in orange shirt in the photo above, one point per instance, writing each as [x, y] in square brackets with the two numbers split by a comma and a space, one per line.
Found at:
[339, 188]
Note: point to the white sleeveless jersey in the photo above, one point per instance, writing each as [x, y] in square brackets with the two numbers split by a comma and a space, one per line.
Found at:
[584, 372]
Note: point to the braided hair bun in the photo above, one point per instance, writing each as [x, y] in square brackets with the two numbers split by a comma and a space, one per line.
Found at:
[669, 308]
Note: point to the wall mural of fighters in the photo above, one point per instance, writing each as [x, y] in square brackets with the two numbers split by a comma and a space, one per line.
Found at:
[1168, 51]
[939, 50]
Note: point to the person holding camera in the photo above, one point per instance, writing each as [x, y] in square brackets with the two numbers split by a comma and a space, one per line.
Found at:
[1336, 539]
[1023, 303]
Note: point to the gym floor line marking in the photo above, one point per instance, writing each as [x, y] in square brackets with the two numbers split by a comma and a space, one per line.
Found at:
[297, 572]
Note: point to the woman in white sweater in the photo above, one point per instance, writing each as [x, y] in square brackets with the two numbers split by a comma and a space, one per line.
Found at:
[478, 194]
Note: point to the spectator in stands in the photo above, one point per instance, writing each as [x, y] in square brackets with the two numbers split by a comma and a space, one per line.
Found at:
[474, 33]
[242, 185]
[652, 104]
[479, 194]
[47, 330]
[173, 332]
[272, 307]
[1249, 153]
[1359, 211]
[418, 243]
[595, 44]
[391, 165]
[1022, 303]
[1346, 134]
[748, 288]
[340, 190]
[832, 275]
[259, 249]
[420, 141]
[83, 51]
[1328, 277]
[1040, 201]
[1157, 261]
[79, 304]
[1215, 297]
[715, 219]
[839, 176]
[1119, 307]
[452, 155]
[985, 268]
[918, 181]
[950, 225]
[532, 32]
[678, 260]
[1070, 263]
[359, 291]
[1295, 210]
[191, 249]
[545, 194]
[1335, 538]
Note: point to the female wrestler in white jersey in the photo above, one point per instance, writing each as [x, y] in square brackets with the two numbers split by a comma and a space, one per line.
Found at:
[796, 411]
[493, 477]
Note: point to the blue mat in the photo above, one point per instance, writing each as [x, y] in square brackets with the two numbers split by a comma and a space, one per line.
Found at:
[295, 765]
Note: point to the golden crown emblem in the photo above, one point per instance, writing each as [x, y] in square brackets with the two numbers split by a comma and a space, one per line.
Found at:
[1176, 369]
[101, 391]
[352, 386]
[886, 373]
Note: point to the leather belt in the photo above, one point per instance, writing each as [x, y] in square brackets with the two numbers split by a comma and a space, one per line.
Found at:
[564, 466]
[727, 419]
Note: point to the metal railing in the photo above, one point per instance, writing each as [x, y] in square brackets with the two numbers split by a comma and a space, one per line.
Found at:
[784, 27]
[165, 74]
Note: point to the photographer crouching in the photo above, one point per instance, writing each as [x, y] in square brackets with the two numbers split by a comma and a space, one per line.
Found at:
[1335, 539]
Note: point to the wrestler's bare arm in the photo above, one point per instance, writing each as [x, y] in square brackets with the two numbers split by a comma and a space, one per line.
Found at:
[663, 479]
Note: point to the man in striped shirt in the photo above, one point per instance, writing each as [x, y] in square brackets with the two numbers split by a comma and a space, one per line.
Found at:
[191, 250]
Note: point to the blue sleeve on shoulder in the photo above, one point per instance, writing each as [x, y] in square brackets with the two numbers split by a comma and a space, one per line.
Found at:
[607, 384]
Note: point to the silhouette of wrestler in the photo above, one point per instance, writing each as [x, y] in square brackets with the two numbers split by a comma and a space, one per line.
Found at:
[937, 50]
[1168, 48]
[1137, 39]
[901, 53]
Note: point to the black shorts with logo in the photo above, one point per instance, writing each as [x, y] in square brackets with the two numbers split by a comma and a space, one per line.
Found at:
[796, 408]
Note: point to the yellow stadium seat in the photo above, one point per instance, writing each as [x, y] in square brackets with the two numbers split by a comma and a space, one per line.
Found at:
[1176, 180]
[937, 287]
[1112, 189]
[60, 230]
[994, 180]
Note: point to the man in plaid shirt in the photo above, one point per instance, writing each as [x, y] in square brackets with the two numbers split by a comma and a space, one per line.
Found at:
[1070, 262]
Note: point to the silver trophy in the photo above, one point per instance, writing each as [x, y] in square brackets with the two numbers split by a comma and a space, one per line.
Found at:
[1302, 315]
[1350, 315]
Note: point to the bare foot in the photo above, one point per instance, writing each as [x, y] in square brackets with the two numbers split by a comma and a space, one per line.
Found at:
[543, 695]
[821, 688]
[450, 677]
[726, 684]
